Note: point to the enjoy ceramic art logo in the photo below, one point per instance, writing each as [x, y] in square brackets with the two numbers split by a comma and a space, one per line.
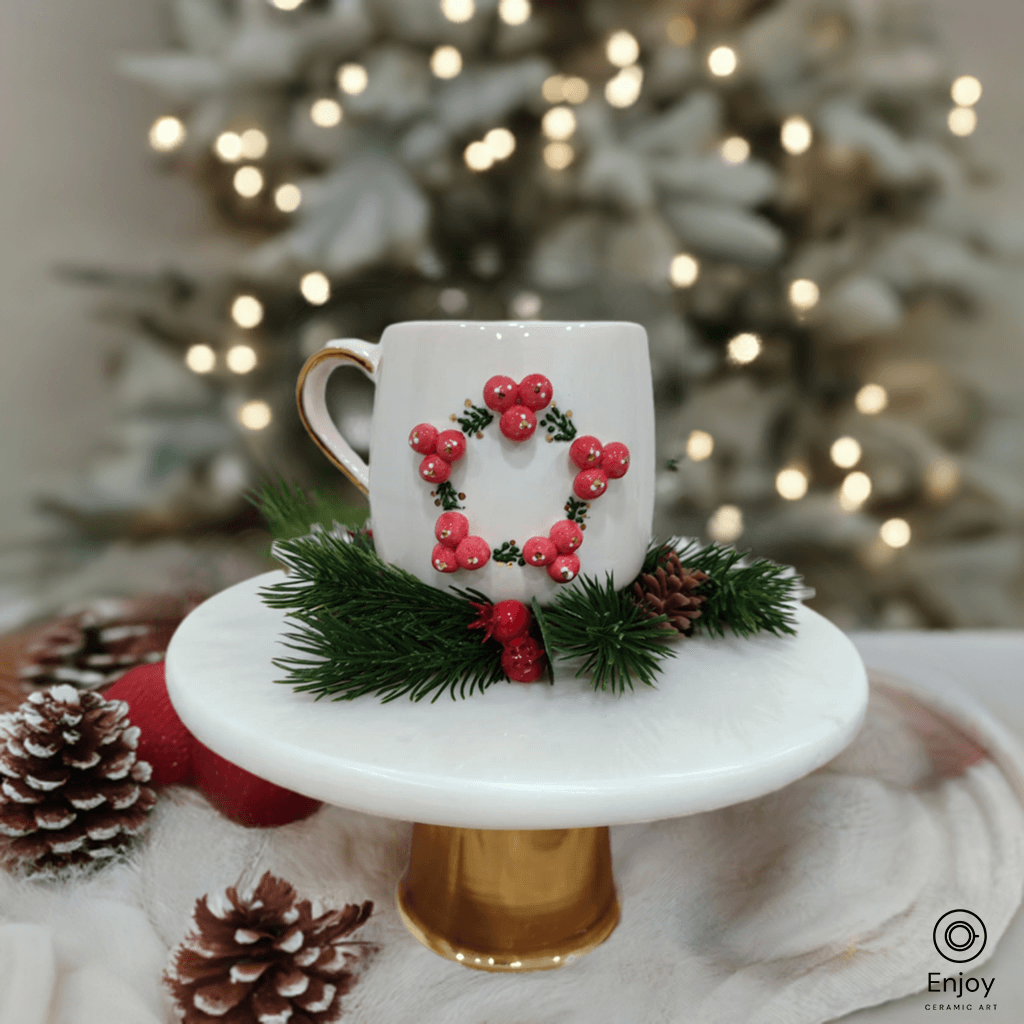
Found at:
[959, 936]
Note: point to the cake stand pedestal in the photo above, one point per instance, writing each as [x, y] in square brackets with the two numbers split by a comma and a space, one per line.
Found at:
[512, 791]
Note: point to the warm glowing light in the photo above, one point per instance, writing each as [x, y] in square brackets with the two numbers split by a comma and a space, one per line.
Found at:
[526, 305]
[895, 533]
[558, 123]
[553, 89]
[722, 61]
[966, 91]
[446, 62]
[228, 146]
[796, 135]
[241, 358]
[725, 524]
[514, 12]
[255, 415]
[575, 89]
[287, 5]
[478, 156]
[200, 358]
[352, 79]
[315, 288]
[624, 89]
[744, 348]
[871, 399]
[791, 484]
[622, 49]
[253, 144]
[247, 311]
[458, 10]
[962, 121]
[166, 133]
[804, 294]
[325, 113]
[845, 452]
[942, 478]
[855, 490]
[453, 300]
[287, 197]
[558, 155]
[735, 150]
[501, 142]
[681, 30]
[248, 182]
[699, 445]
[683, 270]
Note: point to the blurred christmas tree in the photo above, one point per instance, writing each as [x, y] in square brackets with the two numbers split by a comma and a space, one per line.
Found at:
[776, 190]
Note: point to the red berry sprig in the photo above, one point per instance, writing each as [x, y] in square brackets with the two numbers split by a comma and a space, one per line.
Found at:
[455, 548]
[509, 623]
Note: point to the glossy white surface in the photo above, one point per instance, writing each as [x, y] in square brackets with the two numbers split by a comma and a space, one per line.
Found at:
[730, 720]
[425, 372]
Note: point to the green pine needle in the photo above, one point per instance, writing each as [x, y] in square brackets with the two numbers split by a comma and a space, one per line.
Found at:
[289, 512]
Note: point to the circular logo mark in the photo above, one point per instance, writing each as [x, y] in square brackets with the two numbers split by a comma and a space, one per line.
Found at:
[959, 936]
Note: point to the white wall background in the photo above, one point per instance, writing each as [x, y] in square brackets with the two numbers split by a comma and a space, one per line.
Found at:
[77, 184]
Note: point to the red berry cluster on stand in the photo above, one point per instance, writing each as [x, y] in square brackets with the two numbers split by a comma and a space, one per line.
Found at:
[509, 623]
[597, 464]
[455, 548]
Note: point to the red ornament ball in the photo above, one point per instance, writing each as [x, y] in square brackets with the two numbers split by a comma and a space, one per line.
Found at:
[590, 484]
[615, 461]
[564, 569]
[510, 619]
[442, 558]
[586, 452]
[501, 393]
[535, 392]
[540, 551]
[163, 741]
[567, 536]
[518, 423]
[523, 660]
[472, 553]
[435, 470]
[450, 528]
[423, 438]
[451, 445]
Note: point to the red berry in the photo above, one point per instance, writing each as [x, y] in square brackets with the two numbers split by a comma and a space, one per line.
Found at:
[451, 445]
[523, 660]
[518, 423]
[472, 553]
[422, 438]
[450, 528]
[586, 452]
[567, 536]
[615, 461]
[590, 484]
[564, 568]
[435, 470]
[540, 551]
[535, 391]
[501, 393]
[443, 558]
[510, 620]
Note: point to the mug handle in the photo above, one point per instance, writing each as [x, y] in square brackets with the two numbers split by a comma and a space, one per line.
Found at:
[311, 394]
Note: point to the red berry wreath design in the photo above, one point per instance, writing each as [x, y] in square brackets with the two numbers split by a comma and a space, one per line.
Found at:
[518, 405]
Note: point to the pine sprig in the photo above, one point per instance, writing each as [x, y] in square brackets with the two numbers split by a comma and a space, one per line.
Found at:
[606, 629]
[746, 598]
[475, 420]
[289, 512]
[447, 497]
[363, 626]
[559, 425]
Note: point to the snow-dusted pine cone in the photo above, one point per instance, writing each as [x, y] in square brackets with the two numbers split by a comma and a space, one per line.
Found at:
[671, 590]
[96, 646]
[265, 958]
[72, 789]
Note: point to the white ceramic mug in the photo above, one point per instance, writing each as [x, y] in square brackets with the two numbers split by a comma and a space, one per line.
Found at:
[432, 372]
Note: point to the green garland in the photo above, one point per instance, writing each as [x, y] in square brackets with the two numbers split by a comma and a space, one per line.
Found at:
[363, 626]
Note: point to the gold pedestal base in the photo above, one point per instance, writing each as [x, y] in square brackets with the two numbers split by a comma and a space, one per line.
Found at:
[509, 900]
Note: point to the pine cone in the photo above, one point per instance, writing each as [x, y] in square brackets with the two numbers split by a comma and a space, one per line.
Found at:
[95, 647]
[265, 958]
[71, 788]
[671, 590]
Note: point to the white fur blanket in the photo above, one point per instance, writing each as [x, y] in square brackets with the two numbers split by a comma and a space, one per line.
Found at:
[797, 907]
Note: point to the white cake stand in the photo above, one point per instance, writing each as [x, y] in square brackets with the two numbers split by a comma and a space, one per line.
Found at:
[512, 791]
